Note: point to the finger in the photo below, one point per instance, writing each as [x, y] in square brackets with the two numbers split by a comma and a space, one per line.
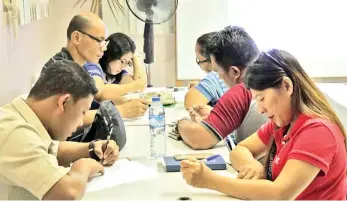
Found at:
[185, 164]
[98, 149]
[144, 101]
[101, 169]
[249, 175]
[111, 157]
[192, 160]
[111, 147]
[144, 107]
[111, 162]
[255, 177]
[241, 175]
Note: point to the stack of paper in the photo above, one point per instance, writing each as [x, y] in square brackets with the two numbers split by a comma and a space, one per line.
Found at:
[123, 171]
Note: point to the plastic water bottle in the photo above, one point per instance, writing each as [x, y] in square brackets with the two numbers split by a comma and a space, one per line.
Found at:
[157, 128]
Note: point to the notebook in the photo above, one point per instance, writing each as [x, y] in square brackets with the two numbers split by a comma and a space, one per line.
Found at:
[170, 164]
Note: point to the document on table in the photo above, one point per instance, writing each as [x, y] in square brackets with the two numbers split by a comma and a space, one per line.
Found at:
[123, 171]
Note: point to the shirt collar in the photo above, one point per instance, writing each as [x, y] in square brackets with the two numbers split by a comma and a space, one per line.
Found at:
[66, 52]
[31, 118]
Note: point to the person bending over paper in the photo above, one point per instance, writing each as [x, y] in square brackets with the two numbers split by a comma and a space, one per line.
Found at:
[231, 49]
[33, 163]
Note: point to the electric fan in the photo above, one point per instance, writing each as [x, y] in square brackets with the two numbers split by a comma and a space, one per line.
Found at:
[151, 12]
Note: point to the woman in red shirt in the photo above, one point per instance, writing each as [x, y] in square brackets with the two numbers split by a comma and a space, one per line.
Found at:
[304, 140]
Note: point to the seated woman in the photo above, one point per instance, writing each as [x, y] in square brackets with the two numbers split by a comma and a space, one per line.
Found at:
[304, 140]
[211, 88]
[119, 55]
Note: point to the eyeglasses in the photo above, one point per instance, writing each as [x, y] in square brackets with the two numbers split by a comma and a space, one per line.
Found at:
[124, 63]
[203, 61]
[102, 43]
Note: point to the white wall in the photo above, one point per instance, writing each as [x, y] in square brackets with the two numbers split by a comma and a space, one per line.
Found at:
[23, 57]
[194, 18]
[313, 31]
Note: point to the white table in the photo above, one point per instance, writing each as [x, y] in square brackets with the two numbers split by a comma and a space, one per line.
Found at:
[171, 115]
[165, 186]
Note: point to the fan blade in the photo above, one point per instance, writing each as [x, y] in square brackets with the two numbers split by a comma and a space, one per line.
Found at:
[120, 6]
[77, 2]
[109, 4]
[114, 6]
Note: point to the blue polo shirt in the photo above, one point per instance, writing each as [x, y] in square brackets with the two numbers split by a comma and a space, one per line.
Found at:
[212, 87]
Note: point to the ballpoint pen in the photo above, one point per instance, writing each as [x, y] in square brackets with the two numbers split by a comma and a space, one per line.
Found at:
[107, 139]
[210, 158]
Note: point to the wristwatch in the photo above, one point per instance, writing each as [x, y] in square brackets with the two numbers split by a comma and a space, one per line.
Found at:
[91, 150]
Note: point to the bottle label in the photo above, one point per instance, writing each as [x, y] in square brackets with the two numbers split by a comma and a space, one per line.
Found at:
[157, 121]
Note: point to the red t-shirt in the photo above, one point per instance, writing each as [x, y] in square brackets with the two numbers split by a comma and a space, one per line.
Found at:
[315, 141]
[229, 112]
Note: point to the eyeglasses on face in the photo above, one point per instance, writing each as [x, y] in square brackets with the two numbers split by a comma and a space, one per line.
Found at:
[125, 63]
[203, 61]
[102, 43]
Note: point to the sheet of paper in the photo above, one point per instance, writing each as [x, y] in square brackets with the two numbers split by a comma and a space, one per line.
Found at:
[123, 171]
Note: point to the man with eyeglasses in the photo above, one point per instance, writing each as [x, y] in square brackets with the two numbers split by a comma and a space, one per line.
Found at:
[86, 42]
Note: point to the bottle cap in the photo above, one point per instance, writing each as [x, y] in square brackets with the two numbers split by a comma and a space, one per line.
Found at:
[155, 99]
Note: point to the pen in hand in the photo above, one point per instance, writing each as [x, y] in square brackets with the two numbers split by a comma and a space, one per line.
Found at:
[102, 159]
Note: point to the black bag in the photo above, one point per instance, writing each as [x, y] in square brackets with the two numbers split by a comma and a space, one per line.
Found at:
[107, 122]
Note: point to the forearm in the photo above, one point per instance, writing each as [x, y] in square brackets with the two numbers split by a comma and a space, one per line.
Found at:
[245, 189]
[139, 72]
[89, 118]
[114, 92]
[194, 97]
[69, 152]
[240, 156]
[196, 136]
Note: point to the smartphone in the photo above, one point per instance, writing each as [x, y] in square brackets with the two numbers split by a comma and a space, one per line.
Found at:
[198, 156]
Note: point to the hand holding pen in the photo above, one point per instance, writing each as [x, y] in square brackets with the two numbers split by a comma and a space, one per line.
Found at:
[107, 151]
[196, 173]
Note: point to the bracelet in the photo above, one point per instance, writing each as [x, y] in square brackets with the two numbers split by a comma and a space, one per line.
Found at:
[91, 151]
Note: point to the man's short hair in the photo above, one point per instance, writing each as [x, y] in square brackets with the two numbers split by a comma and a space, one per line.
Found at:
[64, 77]
[232, 46]
[78, 23]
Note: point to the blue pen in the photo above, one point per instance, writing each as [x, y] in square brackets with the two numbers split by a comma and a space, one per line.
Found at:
[210, 158]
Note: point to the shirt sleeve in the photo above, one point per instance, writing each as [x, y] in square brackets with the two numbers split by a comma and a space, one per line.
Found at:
[204, 87]
[93, 70]
[27, 164]
[316, 145]
[266, 131]
[229, 112]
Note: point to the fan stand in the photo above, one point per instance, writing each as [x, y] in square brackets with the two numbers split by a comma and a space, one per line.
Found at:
[148, 47]
[148, 72]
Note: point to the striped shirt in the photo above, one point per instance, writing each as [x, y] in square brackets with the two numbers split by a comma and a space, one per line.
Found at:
[212, 87]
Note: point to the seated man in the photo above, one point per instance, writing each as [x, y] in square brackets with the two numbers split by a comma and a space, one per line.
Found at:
[232, 49]
[211, 88]
[32, 161]
[86, 42]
